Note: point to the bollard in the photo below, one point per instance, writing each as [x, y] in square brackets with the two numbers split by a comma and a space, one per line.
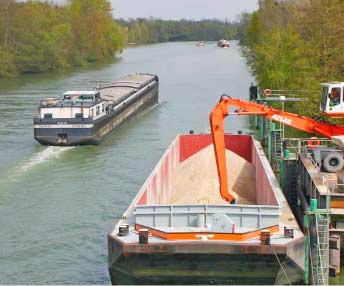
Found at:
[123, 230]
[288, 232]
[265, 237]
[143, 236]
[126, 227]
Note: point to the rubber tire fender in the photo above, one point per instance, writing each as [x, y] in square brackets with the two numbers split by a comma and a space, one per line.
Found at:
[330, 159]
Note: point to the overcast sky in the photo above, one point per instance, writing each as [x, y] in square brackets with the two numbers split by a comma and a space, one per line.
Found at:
[178, 9]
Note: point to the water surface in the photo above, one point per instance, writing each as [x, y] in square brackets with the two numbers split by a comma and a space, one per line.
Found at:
[57, 204]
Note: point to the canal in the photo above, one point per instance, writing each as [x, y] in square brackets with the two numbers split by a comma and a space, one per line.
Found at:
[57, 204]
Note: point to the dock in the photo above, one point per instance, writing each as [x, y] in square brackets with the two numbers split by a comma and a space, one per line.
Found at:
[315, 196]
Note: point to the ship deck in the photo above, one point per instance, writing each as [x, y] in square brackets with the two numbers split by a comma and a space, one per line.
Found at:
[123, 87]
[200, 232]
[277, 240]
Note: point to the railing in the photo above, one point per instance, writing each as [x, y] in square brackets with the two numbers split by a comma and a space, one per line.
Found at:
[335, 188]
[299, 145]
[252, 217]
[303, 146]
[317, 243]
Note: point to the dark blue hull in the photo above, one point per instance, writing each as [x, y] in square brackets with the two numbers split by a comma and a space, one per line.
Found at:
[86, 131]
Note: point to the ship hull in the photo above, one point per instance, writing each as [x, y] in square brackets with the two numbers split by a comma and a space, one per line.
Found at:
[159, 268]
[87, 132]
[189, 242]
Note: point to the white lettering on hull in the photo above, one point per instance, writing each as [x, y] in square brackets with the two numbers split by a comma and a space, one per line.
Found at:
[63, 126]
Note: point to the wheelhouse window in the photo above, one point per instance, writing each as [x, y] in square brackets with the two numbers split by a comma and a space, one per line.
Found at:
[48, 115]
[97, 112]
[335, 96]
[324, 96]
[87, 97]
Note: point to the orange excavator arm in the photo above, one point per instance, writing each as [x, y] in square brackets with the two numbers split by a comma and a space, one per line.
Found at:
[220, 111]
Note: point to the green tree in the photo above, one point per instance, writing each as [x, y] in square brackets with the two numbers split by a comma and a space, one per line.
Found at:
[38, 36]
[142, 31]
[295, 45]
[7, 65]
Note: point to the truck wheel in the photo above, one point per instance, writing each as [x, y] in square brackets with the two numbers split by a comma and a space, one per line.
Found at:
[333, 162]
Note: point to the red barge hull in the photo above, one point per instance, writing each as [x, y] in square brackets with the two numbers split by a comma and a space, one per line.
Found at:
[184, 248]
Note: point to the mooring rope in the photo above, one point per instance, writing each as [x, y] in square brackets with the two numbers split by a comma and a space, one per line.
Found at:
[279, 262]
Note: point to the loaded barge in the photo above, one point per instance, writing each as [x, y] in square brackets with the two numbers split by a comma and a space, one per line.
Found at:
[87, 117]
[178, 229]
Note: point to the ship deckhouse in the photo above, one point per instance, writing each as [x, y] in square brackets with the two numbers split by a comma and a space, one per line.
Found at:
[75, 104]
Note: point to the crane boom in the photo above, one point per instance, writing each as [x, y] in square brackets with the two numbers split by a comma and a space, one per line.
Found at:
[220, 111]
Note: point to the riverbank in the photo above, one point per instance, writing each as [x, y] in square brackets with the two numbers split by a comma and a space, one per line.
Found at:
[40, 36]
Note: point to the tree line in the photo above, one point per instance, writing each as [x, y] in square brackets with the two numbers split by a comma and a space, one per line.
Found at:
[296, 45]
[144, 31]
[39, 36]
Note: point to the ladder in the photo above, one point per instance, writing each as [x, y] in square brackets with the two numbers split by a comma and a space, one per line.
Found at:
[321, 259]
[264, 127]
[316, 224]
[278, 149]
[267, 126]
[292, 184]
[275, 149]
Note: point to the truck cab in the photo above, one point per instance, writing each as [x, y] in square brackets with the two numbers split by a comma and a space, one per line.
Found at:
[332, 103]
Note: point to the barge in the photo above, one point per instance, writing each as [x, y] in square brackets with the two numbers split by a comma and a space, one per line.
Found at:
[178, 229]
[88, 116]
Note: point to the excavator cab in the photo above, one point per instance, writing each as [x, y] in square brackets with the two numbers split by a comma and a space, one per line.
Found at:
[332, 101]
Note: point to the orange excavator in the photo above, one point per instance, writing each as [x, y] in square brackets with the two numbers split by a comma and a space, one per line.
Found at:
[221, 110]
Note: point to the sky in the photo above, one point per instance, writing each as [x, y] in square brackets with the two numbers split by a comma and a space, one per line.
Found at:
[178, 9]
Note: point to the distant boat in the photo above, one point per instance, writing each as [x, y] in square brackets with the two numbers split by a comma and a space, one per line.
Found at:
[199, 43]
[223, 43]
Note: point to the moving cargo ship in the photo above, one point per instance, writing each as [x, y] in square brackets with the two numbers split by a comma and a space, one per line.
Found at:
[223, 43]
[88, 116]
[178, 229]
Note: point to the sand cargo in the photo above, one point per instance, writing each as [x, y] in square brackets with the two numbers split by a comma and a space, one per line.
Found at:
[178, 230]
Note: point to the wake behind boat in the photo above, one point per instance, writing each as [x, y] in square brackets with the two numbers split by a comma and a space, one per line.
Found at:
[88, 116]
